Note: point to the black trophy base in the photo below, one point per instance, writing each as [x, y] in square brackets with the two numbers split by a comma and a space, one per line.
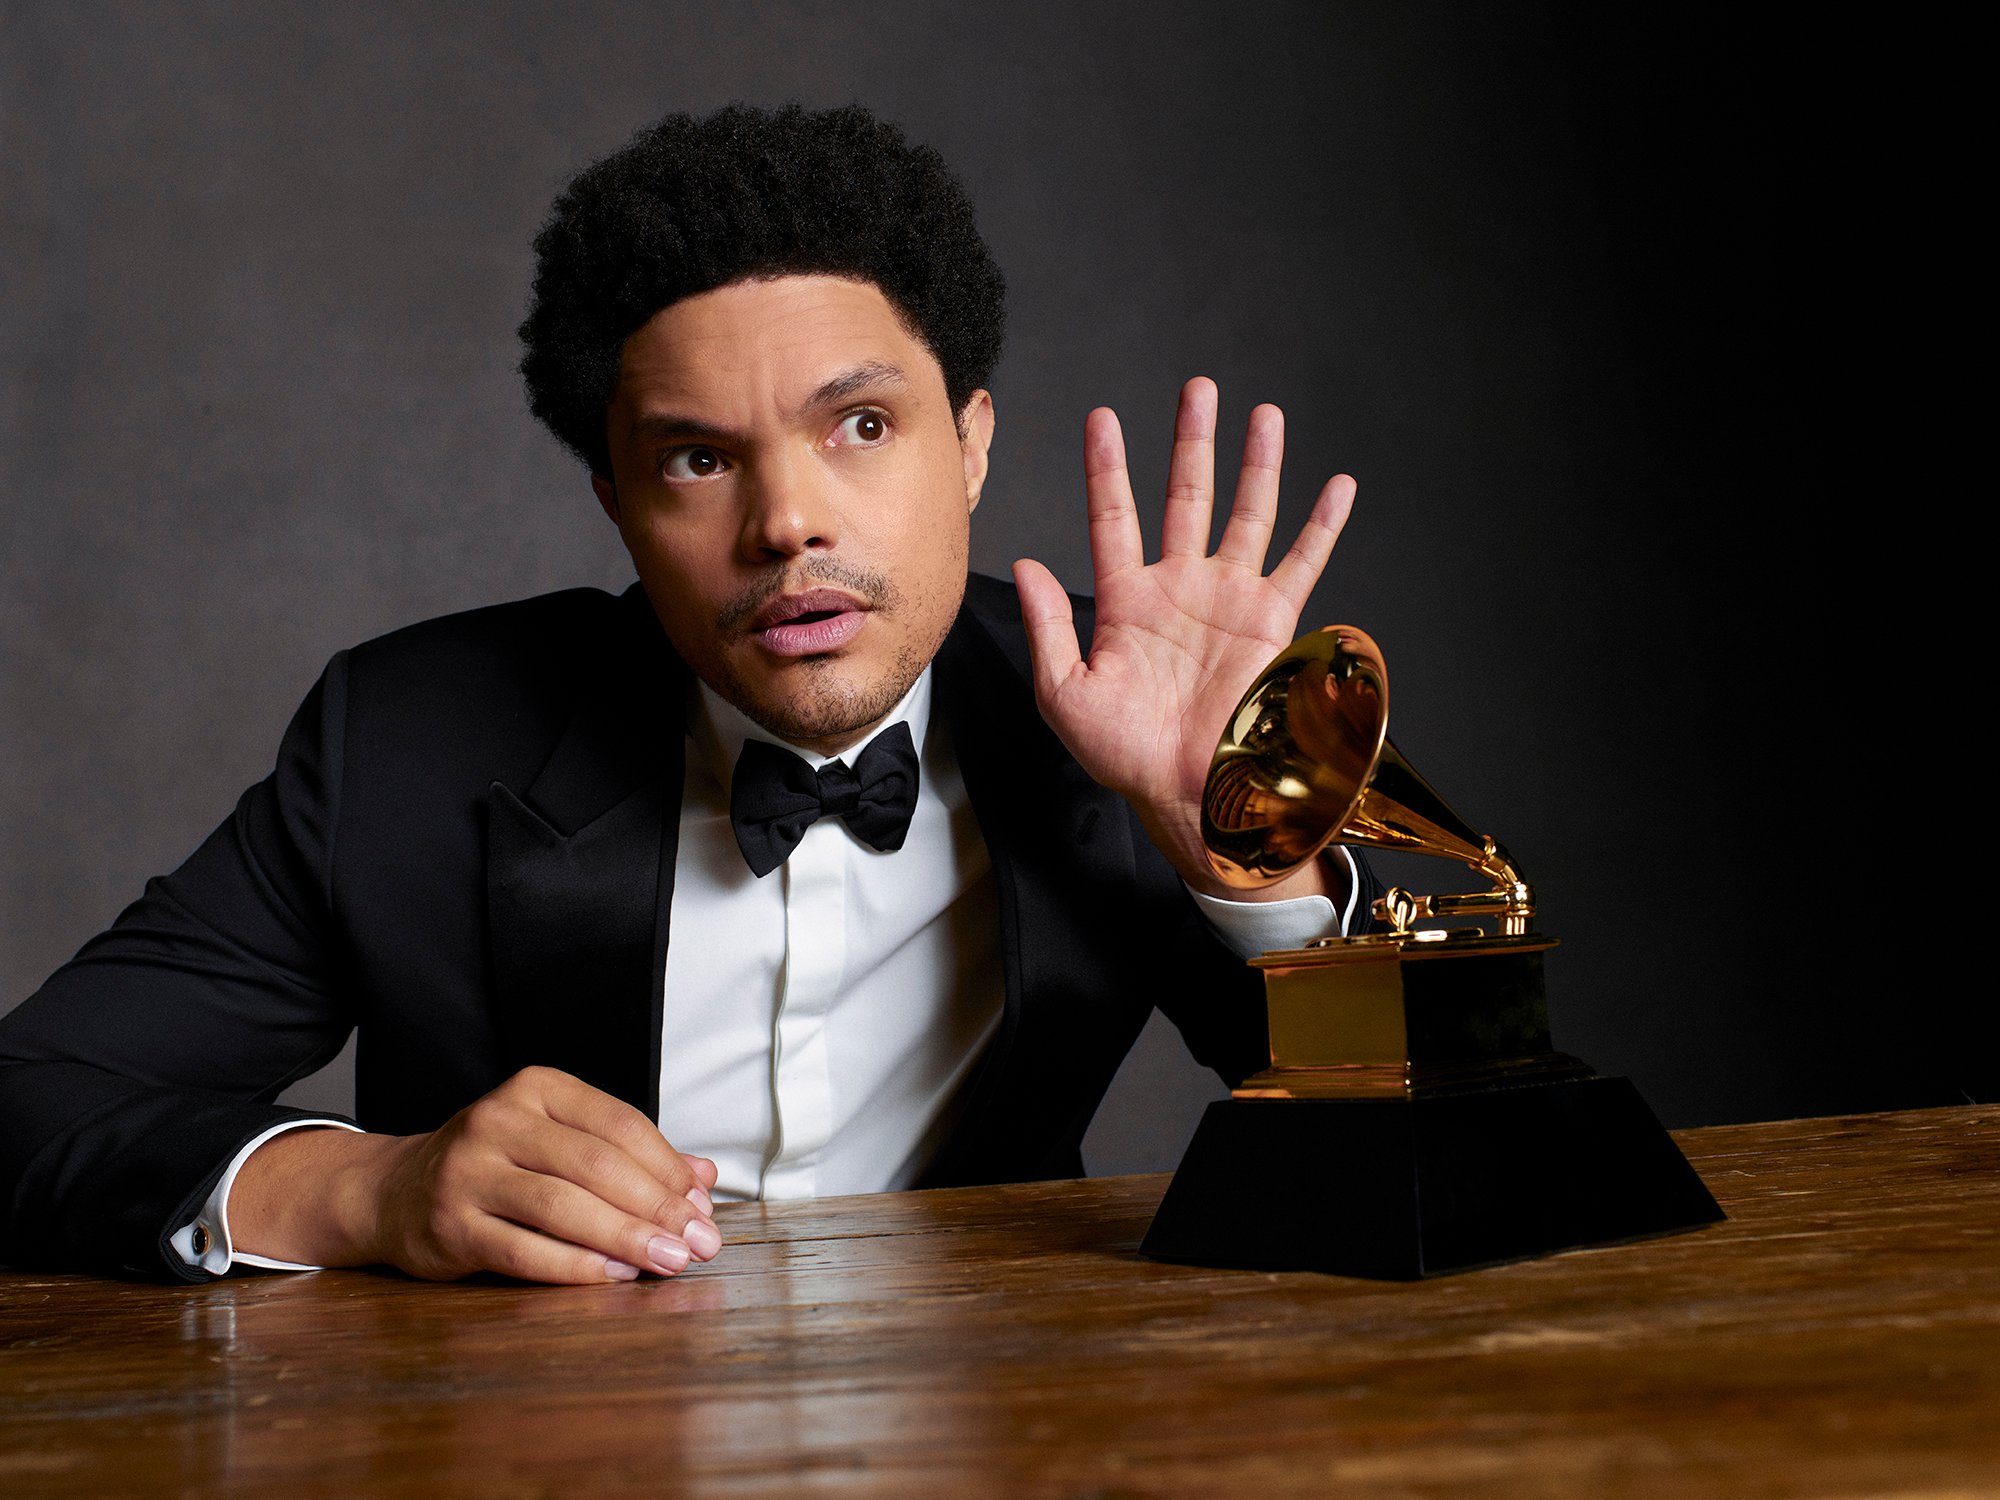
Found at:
[1405, 1188]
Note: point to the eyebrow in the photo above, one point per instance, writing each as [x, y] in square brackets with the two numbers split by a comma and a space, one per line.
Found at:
[863, 377]
[873, 375]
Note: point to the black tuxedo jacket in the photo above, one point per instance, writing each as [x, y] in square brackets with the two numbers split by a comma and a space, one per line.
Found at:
[466, 851]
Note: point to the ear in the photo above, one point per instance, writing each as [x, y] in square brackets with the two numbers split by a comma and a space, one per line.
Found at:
[975, 437]
[607, 496]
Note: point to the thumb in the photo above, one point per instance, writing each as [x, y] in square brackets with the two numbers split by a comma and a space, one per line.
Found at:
[1051, 627]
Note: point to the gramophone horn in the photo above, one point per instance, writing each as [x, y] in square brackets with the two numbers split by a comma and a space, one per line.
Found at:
[1306, 759]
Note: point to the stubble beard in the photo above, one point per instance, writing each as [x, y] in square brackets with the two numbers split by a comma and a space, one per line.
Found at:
[825, 709]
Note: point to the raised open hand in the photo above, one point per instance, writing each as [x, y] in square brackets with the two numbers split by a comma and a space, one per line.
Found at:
[1177, 641]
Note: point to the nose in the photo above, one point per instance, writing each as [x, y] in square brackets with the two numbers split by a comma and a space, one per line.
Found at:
[787, 511]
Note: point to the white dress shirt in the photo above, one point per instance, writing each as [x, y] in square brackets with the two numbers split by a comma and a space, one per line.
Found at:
[818, 1029]
[819, 1022]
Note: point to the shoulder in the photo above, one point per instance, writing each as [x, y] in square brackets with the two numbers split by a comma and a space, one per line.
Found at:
[547, 628]
[549, 645]
[507, 676]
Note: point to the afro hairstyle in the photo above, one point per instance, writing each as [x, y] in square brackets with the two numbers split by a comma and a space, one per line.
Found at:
[696, 203]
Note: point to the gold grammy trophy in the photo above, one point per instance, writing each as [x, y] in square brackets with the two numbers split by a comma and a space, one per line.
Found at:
[1415, 1118]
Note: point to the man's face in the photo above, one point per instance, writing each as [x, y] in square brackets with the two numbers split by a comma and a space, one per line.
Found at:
[795, 493]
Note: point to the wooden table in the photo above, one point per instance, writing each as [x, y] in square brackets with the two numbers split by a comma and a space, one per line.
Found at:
[1839, 1336]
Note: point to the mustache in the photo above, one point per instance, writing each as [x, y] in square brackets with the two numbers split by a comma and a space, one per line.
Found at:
[871, 587]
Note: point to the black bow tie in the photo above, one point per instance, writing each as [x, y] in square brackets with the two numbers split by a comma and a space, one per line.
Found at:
[775, 797]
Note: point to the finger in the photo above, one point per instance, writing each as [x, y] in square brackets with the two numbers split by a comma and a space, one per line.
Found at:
[1299, 569]
[1254, 511]
[570, 1101]
[1115, 543]
[529, 1256]
[1191, 472]
[673, 1198]
[573, 1214]
[589, 1162]
[1051, 627]
[705, 1171]
[575, 1219]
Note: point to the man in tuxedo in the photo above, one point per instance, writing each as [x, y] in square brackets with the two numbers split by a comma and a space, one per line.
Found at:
[805, 866]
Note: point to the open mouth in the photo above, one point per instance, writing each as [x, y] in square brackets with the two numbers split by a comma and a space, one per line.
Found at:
[810, 624]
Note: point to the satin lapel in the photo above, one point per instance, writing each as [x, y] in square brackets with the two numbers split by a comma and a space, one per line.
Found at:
[1041, 816]
[580, 871]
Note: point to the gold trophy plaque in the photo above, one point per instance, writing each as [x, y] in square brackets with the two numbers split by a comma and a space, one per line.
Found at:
[1415, 1118]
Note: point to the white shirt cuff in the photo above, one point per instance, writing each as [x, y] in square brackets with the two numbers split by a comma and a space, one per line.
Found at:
[1249, 928]
[205, 1242]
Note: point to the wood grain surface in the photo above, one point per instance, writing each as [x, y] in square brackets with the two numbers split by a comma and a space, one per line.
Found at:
[1839, 1336]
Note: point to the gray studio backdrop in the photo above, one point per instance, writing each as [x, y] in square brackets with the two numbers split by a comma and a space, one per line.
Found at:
[262, 265]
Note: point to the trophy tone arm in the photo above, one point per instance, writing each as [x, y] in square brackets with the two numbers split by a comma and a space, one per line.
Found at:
[1512, 899]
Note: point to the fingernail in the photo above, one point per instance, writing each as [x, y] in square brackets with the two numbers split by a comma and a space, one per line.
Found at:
[702, 1238]
[617, 1270]
[667, 1254]
[704, 1205]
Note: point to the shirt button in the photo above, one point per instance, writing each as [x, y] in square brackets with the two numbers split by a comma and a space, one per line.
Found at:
[201, 1239]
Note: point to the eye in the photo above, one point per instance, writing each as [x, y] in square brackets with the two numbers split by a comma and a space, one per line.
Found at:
[860, 429]
[691, 463]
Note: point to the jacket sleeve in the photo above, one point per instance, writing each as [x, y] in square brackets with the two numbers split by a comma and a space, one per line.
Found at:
[135, 1074]
[1220, 1015]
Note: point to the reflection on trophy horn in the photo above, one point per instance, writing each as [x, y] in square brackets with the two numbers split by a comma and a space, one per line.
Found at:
[1306, 759]
[1415, 1118]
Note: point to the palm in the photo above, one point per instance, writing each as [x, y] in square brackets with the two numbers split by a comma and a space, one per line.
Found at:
[1175, 647]
[1177, 641]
